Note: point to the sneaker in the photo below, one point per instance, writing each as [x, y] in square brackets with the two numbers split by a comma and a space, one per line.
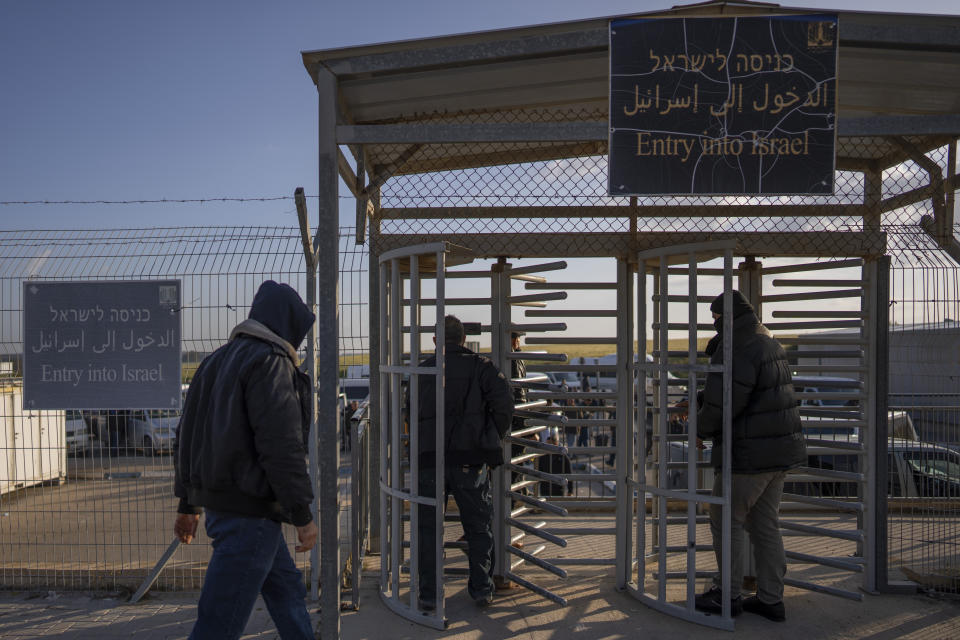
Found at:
[712, 602]
[484, 600]
[774, 612]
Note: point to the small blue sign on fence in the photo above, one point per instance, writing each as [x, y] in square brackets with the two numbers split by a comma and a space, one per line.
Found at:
[101, 345]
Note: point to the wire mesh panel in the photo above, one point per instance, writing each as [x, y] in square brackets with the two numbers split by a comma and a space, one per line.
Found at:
[923, 476]
[85, 502]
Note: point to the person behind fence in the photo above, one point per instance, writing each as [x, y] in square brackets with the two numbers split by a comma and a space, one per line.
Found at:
[478, 407]
[555, 464]
[345, 425]
[240, 457]
[766, 441]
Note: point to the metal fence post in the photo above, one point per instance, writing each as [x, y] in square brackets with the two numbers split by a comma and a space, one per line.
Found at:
[376, 411]
[328, 418]
[309, 364]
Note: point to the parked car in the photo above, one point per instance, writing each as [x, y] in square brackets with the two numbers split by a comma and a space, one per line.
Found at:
[79, 440]
[570, 377]
[152, 430]
[914, 470]
[355, 388]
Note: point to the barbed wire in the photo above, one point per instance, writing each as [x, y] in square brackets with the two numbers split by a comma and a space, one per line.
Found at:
[160, 200]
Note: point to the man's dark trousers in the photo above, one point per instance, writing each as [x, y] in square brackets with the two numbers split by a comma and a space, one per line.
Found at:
[470, 486]
[250, 558]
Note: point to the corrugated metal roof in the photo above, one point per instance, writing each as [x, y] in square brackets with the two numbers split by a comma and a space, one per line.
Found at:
[897, 75]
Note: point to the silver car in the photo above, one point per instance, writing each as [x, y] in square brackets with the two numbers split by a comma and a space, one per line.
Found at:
[152, 430]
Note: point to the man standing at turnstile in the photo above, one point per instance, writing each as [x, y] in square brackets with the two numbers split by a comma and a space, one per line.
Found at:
[478, 408]
[767, 441]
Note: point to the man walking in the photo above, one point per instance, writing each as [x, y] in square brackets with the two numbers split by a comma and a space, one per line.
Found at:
[767, 440]
[478, 408]
[240, 456]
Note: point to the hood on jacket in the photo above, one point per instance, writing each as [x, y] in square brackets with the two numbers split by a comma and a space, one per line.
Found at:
[740, 304]
[280, 308]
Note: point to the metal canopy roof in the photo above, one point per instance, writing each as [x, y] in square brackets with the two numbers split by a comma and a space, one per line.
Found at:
[897, 76]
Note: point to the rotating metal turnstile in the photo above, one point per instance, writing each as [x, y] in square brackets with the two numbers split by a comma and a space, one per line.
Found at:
[657, 552]
[406, 276]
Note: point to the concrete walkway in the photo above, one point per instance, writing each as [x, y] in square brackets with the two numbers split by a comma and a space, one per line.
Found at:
[595, 611]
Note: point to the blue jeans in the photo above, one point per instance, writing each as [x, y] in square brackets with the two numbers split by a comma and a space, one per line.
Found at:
[250, 557]
[470, 486]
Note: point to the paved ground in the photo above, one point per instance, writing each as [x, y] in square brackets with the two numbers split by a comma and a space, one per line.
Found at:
[596, 610]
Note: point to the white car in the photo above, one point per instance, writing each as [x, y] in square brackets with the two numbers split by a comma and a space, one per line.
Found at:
[153, 430]
[78, 438]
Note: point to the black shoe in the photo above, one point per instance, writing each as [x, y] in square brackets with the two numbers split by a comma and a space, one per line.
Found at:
[484, 600]
[712, 602]
[426, 606]
[774, 612]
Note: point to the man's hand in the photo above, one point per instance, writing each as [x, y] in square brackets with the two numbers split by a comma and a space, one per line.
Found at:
[684, 408]
[185, 527]
[307, 534]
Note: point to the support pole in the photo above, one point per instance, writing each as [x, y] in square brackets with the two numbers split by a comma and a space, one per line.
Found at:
[328, 414]
[309, 365]
[376, 409]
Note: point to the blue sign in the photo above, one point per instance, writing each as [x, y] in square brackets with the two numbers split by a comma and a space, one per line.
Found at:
[723, 106]
[101, 345]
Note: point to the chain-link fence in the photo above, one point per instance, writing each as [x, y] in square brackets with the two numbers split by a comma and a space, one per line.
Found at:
[85, 502]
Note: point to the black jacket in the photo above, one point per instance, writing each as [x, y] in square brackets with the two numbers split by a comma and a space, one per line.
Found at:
[767, 433]
[467, 413]
[241, 441]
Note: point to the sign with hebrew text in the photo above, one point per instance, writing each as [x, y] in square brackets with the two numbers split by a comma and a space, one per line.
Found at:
[101, 344]
[723, 106]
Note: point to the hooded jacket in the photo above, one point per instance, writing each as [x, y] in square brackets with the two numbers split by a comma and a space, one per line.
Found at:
[241, 441]
[767, 432]
[475, 392]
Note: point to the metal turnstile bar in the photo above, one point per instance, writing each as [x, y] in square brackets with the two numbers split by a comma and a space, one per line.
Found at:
[536, 297]
[855, 536]
[813, 324]
[533, 559]
[571, 285]
[537, 530]
[814, 266]
[819, 588]
[818, 314]
[830, 503]
[571, 340]
[549, 595]
[798, 282]
[814, 295]
[833, 474]
[571, 313]
[821, 353]
[847, 564]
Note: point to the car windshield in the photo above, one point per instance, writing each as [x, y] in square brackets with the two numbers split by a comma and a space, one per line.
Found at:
[356, 393]
[827, 401]
[933, 464]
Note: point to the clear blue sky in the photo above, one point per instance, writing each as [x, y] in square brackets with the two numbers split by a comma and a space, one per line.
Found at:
[131, 100]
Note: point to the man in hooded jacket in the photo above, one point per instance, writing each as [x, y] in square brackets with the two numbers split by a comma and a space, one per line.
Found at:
[240, 457]
[477, 398]
[767, 440]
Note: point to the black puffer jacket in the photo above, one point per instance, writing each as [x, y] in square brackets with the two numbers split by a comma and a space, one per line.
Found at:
[241, 441]
[767, 433]
[466, 412]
